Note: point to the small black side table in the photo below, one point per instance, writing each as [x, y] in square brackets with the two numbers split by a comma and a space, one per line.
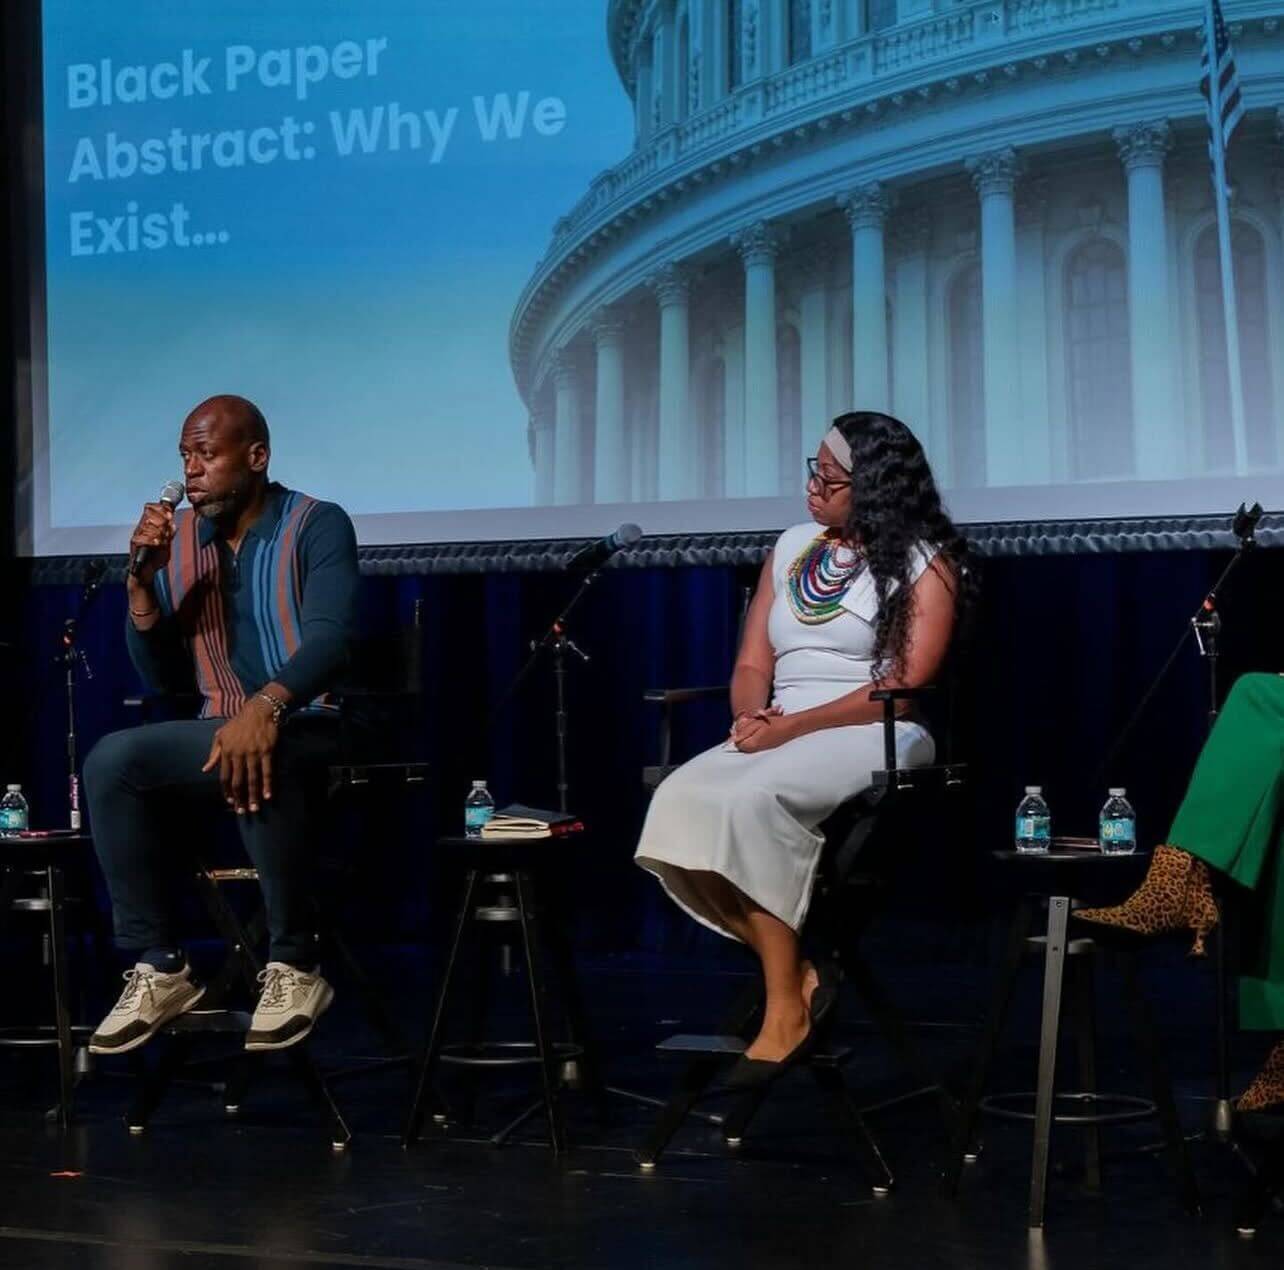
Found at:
[501, 885]
[1056, 878]
[40, 864]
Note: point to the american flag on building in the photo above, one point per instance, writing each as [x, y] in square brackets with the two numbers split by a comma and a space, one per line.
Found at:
[1230, 99]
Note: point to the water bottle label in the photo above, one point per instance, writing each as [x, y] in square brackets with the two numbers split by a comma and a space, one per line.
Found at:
[1115, 829]
[475, 817]
[12, 819]
[1033, 827]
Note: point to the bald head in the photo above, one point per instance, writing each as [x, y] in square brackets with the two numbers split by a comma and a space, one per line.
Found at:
[237, 417]
[225, 451]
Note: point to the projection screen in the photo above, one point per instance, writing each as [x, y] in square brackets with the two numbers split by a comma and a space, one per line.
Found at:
[515, 269]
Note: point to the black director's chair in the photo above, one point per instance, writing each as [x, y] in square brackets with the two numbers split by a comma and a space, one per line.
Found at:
[865, 841]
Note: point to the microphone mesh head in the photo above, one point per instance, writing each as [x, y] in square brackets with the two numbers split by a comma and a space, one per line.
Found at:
[628, 534]
[172, 492]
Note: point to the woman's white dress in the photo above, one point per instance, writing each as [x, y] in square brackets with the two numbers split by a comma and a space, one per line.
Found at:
[752, 818]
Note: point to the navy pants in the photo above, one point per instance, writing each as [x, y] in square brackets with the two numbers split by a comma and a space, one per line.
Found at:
[148, 797]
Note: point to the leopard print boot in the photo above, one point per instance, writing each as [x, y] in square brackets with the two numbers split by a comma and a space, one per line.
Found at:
[1267, 1089]
[1176, 894]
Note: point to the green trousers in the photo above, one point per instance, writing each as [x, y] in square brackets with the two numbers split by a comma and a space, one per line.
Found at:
[1233, 818]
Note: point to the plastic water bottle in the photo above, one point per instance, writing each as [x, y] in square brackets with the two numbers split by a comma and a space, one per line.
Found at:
[1033, 822]
[13, 812]
[479, 807]
[1118, 825]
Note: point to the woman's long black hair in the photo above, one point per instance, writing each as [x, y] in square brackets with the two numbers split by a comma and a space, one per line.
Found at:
[894, 506]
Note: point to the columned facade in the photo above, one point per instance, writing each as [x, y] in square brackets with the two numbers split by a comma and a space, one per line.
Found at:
[758, 247]
[542, 441]
[677, 473]
[813, 312]
[867, 208]
[611, 446]
[994, 176]
[1158, 449]
[806, 225]
[568, 463]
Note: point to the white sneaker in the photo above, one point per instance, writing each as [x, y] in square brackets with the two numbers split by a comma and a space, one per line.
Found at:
[150, 1000]
[289, 1005]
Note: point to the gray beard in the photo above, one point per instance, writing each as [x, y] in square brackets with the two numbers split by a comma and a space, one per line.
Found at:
[222, 509]
[210, 510]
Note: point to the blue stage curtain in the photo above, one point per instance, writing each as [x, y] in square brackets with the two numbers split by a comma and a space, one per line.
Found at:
[1064, 645]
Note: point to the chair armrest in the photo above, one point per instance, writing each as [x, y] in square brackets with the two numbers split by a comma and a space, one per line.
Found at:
[678, 696]
[666, 699]
[901, 694]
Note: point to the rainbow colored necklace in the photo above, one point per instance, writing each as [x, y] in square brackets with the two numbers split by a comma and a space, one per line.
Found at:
[818, 579]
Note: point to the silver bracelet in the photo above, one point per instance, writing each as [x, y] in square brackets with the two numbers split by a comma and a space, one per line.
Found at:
[278, 706]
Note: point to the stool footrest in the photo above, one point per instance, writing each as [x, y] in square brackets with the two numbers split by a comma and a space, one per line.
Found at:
[688, 1043]
[1130, 1107]
[504, 1053]
[37, 1034]
[733, 1046]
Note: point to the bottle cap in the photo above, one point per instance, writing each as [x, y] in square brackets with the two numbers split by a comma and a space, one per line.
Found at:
[13, 789]
[1117, 793]
[479, 784]
[1034, 789]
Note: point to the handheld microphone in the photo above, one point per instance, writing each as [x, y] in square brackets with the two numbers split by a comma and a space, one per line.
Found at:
[171, 495]
[596, 554]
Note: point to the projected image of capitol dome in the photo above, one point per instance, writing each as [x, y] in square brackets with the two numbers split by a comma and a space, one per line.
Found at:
[993, 217]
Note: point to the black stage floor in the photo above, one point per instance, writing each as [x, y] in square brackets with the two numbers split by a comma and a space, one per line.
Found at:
[265, 1190]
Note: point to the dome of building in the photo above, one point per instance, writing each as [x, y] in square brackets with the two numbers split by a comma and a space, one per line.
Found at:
[993, 218]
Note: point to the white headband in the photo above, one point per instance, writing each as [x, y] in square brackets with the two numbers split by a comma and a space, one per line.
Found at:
[839, 448]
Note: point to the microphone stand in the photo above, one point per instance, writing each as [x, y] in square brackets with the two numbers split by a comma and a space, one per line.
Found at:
[1206, 626]
[558, 644]
[69, 656]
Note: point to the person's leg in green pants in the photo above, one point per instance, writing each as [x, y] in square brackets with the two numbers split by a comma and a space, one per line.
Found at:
[1231, 820]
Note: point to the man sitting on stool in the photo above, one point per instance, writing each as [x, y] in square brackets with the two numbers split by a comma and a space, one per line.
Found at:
[249, 599]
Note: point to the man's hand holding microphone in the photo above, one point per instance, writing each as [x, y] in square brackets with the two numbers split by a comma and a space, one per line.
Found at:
[149, 547]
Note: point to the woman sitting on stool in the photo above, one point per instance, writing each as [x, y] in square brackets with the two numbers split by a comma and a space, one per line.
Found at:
[868, 601]
[1231, 819]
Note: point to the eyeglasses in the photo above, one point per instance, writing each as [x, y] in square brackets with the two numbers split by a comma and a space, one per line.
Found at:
[825, 484]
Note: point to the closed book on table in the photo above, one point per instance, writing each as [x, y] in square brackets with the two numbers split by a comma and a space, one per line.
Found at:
[519, 821]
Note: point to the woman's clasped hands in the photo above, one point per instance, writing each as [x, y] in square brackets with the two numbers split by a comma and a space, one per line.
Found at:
[764, 729]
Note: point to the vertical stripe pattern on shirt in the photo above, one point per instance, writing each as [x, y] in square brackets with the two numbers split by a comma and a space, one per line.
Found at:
[191, 588]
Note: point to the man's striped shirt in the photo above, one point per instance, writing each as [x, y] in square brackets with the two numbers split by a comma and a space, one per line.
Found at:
[279, 609]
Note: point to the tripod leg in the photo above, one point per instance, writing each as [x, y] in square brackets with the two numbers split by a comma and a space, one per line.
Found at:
[428, 1067]
[1004, 984]
[544, 1045]
[62, 1016]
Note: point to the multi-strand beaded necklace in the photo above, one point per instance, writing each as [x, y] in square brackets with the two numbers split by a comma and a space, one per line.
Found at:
[819, 578]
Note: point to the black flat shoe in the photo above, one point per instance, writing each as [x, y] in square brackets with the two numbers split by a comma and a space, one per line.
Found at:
[755, 1073]
[825, 995]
